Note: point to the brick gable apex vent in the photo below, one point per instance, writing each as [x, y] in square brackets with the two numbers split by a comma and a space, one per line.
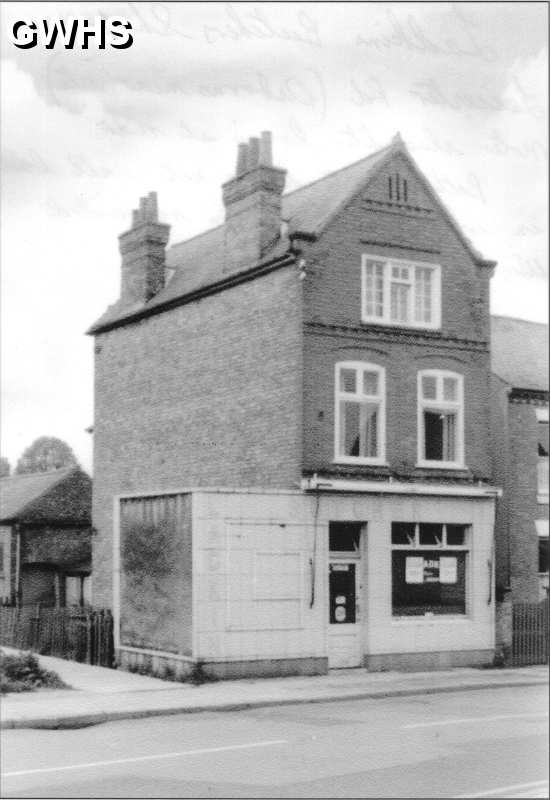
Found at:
[143, 251]
[252, 201]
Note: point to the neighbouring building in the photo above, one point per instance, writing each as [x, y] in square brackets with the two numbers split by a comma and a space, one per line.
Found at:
[292, 462]
[46, 538]
[520, 432]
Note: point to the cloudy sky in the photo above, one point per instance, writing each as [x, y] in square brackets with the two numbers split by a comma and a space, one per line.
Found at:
[86, 133]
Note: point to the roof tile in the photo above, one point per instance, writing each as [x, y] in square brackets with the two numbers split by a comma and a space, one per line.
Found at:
[519, 352]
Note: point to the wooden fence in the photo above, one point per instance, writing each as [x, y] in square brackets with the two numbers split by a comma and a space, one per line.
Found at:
[530, 633]
[77, 634]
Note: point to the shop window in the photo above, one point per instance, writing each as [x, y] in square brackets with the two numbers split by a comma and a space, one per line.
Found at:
[440, 419]
[429, 568]
[360, 413]
[344, 537]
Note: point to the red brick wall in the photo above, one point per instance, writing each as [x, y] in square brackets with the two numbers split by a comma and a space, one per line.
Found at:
[402, 362]
[332, 307]
[211, 393]
[208, 394]
[522, 505]
[333, 285]
[500, 466]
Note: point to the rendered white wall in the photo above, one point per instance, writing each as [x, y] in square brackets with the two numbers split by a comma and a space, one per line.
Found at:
[252, 574]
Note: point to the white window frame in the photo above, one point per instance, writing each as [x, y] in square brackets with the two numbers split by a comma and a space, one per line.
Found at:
[442, 405]
[359, 367]
[385, 319]
[542, 463]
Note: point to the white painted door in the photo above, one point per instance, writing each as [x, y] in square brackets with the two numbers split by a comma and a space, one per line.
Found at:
[344, 629]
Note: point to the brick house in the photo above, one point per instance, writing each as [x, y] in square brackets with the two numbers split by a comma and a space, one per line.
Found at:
[520, 433]
[46, 537]
[291, 435]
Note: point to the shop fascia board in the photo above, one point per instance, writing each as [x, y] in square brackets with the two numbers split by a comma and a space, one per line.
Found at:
[397, 487]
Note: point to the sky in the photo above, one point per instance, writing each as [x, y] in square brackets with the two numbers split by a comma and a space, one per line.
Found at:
[85, 133]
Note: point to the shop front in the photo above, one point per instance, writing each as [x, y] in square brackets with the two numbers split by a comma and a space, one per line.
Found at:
[297, 582]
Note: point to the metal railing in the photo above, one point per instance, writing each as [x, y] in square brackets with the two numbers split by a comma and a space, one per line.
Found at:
[530, 633]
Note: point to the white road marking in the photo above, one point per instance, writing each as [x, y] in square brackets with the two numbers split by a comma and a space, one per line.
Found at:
[501, 789]
[464, 720]
[144, 758]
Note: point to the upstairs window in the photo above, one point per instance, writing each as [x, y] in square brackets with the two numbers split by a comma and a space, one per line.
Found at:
[360, 413]
[440, 419]
[542, 452]
[396, 292]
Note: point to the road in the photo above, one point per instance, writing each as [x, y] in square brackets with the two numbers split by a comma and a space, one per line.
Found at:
[484, 743]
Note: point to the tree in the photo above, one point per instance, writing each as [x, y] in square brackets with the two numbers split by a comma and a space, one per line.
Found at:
[44, 454]
[5, 467]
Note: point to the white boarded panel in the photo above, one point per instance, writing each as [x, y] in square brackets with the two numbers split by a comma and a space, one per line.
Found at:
[278, 576]
[264, 576]
[267, 535]
[265, 615]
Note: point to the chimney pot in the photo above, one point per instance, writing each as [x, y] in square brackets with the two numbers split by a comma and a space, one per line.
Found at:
[153, 207]
[242, 158]
[143, 253]
[253, 152]
[253, 204]
[266, 155]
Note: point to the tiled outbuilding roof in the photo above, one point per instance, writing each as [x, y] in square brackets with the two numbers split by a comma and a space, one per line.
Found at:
[60, 495]
[519, 352]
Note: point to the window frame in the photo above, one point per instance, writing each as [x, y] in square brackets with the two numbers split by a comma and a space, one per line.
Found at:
[412, 265]
[442, 405]
[541, 541]
[542, 461]
[359, 367]
[443, 547]
[85, 588]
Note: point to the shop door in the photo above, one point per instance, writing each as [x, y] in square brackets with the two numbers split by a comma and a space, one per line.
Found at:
[344, 640]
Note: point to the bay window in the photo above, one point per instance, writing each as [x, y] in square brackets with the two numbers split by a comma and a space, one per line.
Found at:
[397, 292]
[360, 413]
[440, 419]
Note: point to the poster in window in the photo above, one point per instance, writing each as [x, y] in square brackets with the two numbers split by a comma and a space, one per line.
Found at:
[414, 569]
[431, 570]
[340, 614]
[447, 569]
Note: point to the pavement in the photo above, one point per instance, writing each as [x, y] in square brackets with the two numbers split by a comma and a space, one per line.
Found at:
[98, 694]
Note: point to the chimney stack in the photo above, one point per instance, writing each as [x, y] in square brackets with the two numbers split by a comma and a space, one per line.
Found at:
[143, 250]
[252, 202]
